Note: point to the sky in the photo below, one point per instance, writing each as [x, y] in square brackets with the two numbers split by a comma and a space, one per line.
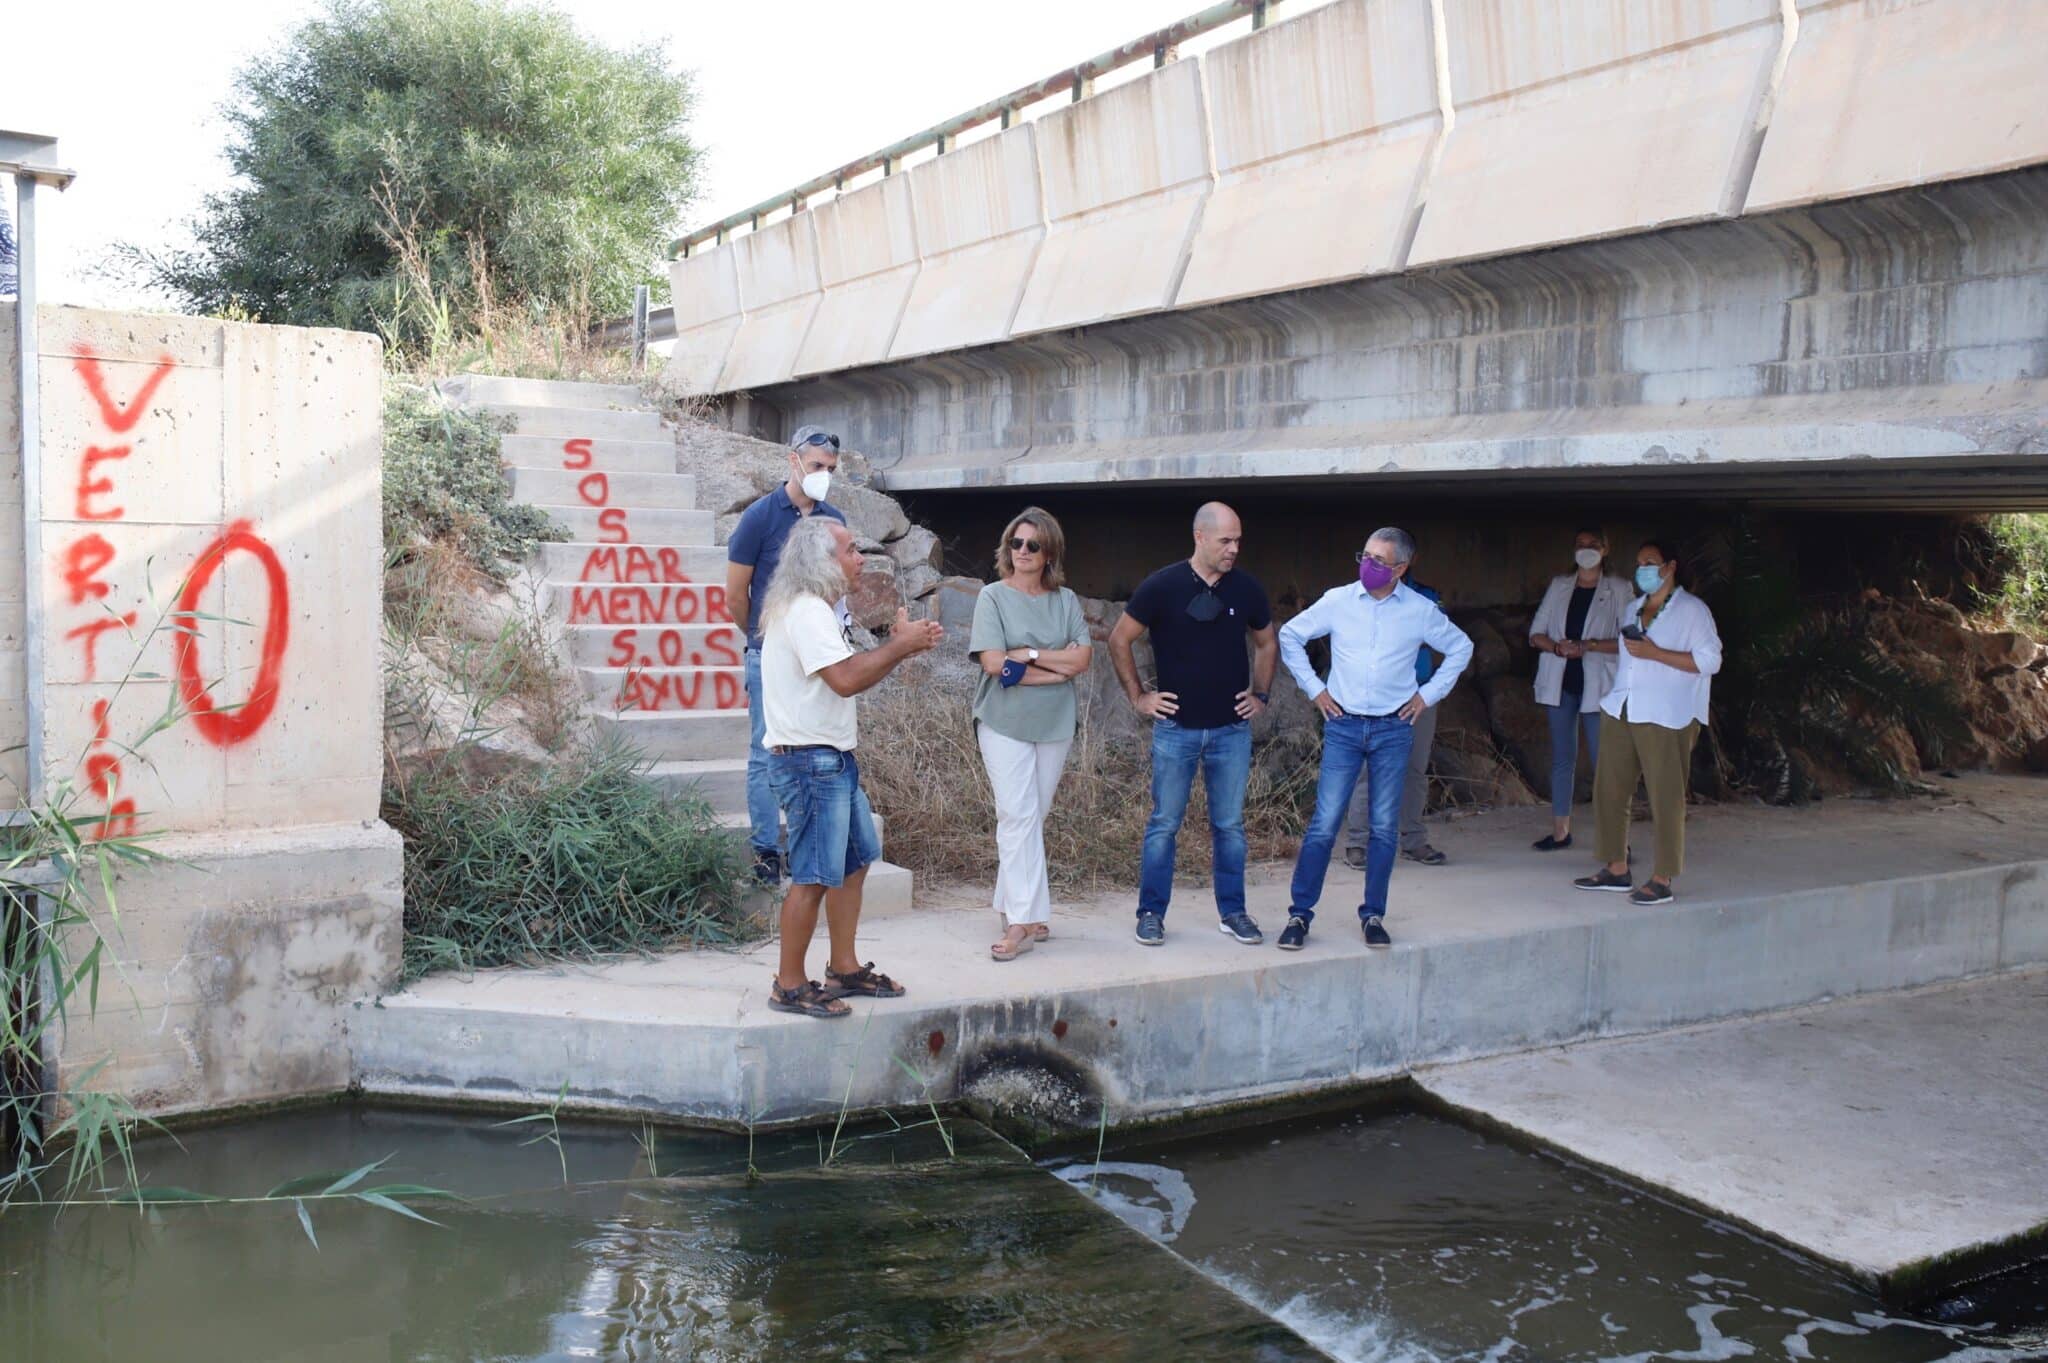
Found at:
[787, 89]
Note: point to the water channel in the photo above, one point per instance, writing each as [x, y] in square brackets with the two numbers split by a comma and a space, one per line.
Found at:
[1377, 1233]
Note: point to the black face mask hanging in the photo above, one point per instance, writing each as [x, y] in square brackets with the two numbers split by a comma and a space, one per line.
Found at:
[1204, 606]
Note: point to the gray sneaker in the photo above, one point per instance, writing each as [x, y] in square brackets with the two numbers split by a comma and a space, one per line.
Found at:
[1241, 927]
[1151, 930]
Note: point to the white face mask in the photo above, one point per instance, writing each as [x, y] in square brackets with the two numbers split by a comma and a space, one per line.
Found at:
[816, 485]
[1586, 558]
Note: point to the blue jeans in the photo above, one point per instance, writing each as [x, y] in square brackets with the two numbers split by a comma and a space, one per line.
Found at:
[764, 829]
[831, 827]
[1350, 742]
[1564, 750]
[1225, 757]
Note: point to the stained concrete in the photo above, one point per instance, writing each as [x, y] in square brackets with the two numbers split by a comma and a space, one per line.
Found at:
[1496, 953]
[1900, 1138]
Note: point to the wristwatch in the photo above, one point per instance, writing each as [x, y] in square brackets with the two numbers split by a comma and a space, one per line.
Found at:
[1262, 698]
[1031, 654]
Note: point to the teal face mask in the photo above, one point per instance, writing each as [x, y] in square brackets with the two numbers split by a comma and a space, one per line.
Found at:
[1649, 577]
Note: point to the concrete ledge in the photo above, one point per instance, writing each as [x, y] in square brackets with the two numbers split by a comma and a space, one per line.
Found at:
[234, 965]
[867, 259]
[706, 311]
[1487, 962]
[979, 215]
[1900, 1138]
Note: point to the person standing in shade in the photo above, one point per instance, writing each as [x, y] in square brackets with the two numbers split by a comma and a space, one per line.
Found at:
[810, 674]
[1369, 706]
[1031, 641]
[1651, 716]
[1414, 786]
[752, 553]
[1574, 633]
[1199, 613]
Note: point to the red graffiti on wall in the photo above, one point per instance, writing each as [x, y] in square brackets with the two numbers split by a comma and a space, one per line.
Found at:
[685, 603]
[83, 563]
[578, 452]
[221, 727]
[681, 691]
[634, 564]
[718, 646]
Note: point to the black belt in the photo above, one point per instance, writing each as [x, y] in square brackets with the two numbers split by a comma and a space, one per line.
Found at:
[805, 747]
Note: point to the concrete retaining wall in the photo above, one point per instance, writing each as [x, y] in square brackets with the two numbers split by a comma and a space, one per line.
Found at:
[210, 589]
[1366, 137]
[867, 261]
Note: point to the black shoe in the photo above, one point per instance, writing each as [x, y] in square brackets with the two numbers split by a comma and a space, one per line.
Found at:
[1354, 857]
[1652, 891]
[1375, 931]
[1425, 854]
[1604, 879]
[1294, 935]
[1152, 929]
[1241, 927]
[1550, 842]
[768, 869]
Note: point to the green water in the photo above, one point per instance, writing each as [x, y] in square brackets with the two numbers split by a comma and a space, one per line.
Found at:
[1373, 1235]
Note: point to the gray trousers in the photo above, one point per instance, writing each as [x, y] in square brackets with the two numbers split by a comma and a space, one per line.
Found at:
[1358, 819]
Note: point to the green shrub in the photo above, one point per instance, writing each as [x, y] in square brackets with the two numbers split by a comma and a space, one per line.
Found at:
[443, 483]
[577, 858]
[2020, 558]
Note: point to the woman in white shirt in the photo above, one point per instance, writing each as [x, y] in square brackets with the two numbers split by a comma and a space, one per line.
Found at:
[1574, 632]
[1652, 715]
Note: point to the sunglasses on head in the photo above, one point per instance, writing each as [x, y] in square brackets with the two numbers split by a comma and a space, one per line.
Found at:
[816, 438]
[1023, 546]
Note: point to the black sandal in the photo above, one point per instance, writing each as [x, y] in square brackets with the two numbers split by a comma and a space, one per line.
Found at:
[867, 982]
[807, 999]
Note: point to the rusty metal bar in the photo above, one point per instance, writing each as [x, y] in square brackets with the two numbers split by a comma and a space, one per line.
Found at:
[1078, 79]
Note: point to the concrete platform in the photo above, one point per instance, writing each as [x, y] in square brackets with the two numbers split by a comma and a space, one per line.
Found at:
[1495, 954]
[1902, 1138]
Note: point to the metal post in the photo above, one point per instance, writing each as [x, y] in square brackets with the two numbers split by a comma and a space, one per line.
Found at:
[1258, 14]
[941, 145]
[28, 381]
[639, 327]
[1006, 120]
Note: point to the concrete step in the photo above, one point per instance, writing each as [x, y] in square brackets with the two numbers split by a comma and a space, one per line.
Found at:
[737, 821]
[595, 487]
[610, 646]
[721, 780]
[566, 423]
[664, 690]
[887, 894]
[665, 603]
[613, 456]
[474, 390]
[586, 562]
[667, 735]
[653, 525]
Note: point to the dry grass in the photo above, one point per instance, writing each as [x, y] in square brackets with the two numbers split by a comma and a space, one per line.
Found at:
[922, 769]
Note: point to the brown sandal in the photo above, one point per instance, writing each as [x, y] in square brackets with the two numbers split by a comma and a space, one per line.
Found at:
[1039, 931]
[807, 999]
[867, 982]
[1007, 950]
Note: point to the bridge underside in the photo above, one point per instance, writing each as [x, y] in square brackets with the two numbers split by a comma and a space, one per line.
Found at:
[1883, 352]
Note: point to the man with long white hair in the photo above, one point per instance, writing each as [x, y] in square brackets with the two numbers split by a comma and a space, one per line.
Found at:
[810, 673]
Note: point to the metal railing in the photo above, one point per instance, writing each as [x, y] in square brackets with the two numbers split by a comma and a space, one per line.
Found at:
[30, 160]
[1160, 45]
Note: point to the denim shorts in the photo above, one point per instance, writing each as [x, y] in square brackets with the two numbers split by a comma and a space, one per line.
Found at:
[831, 829]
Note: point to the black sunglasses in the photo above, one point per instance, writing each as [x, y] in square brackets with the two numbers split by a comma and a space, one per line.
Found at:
[1018, 546]
[819, 438]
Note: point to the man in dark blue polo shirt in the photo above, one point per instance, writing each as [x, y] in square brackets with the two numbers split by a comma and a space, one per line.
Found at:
[1198, 612]
[751, 555]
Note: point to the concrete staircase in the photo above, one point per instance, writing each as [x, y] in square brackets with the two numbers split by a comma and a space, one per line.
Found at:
[637, 594]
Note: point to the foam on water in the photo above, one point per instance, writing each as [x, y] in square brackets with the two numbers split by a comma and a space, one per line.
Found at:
[1160, 1210]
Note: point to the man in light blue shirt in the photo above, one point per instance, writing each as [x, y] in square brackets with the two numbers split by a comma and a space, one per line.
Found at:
[1369, 705]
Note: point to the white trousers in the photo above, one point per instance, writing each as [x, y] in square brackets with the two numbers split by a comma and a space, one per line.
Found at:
[1023, 777]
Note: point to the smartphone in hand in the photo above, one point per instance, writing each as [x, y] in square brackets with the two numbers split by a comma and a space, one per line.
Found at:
[1631, 631]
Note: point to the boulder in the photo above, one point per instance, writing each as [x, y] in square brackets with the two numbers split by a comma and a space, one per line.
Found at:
[1490, 657]
[874, 597]
[1520, 727]
[919, 548]
[953, 604]
[917, 581]
[869, 514]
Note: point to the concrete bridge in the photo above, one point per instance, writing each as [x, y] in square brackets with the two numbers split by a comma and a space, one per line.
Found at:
[1775, 251]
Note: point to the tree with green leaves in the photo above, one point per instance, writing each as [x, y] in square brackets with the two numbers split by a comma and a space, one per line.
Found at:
[452, 153]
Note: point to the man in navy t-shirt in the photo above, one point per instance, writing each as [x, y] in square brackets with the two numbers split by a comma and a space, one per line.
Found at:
[751, 554]
[1198, 613]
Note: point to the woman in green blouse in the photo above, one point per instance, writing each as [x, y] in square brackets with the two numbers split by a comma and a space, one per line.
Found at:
[1031, 642]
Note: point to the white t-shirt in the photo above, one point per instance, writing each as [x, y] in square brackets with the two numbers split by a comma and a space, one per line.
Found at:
[799, 708]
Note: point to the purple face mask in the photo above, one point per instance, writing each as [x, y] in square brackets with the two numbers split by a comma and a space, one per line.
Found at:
[1373, 575]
